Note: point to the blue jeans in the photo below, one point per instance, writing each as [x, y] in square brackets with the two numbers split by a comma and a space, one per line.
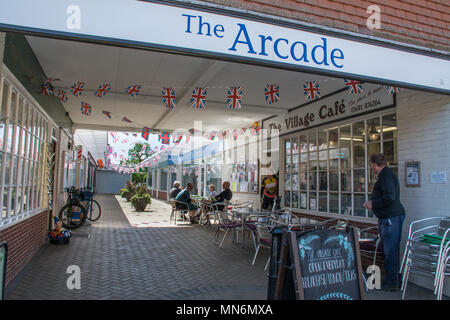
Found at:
[390, 233]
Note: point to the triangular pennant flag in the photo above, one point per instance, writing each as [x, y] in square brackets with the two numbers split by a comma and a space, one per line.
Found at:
[164, 137]
[392, 89]
[62, 95]
[145, 133]
[125, 119]
[47, 87]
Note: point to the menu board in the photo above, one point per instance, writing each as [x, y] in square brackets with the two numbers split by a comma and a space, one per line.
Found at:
[326, 266]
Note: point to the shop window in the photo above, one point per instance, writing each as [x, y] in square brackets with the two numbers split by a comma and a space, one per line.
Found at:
[333, 172]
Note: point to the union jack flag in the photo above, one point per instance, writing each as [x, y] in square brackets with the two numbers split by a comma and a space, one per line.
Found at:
[221, 134]
[133, 90]
[211, 136]
[353, 86]
[191, 130]
[107, 113]
[235, 134]
[164, 137]
[168, 97]
[47, 87]
[272, 93]
[198, 98]
[134, 134]
[392, 89]
[77, 89]
[103, 89]
[234, 97]
[145, 133]
[187, 138]
[177, 140]
[86, 108]
[62, 95]
[311, 89]
[125, 119]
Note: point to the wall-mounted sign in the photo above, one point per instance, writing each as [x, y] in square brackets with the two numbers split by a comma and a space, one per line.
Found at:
[175, 28]
[338, 106]
[412, 173]
[438, 177]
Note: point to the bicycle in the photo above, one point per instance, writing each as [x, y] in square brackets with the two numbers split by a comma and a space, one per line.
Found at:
[93, 209]
[73, 214]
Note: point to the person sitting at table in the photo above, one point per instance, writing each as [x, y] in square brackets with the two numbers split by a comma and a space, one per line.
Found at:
[185, 196]
[212, 191]
[175, 190]
[226, 194]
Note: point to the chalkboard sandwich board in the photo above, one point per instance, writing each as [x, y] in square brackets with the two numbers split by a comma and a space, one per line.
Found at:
[321, 265]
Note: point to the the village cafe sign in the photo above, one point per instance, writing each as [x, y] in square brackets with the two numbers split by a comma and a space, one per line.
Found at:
[332, 108]
[170, 27]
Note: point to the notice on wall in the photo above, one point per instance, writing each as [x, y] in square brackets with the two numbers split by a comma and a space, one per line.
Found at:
[328, 265]
[439, 177]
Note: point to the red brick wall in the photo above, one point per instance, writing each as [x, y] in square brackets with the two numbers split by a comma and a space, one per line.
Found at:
[23, 239]
[162, 195]
[420, 22]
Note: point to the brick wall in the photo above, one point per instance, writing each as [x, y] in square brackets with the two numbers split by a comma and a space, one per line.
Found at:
[24, 240]
[162, 195]
[419, 22]
[423, 121]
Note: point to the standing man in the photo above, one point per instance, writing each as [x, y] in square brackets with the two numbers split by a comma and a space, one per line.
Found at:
[387, 208]
[269, 190]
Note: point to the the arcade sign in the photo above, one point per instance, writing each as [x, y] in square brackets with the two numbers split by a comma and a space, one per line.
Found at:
[155, 25]
[332, 108]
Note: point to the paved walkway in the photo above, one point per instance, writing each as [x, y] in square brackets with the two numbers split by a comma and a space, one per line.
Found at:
[129, 255]
[119, 261]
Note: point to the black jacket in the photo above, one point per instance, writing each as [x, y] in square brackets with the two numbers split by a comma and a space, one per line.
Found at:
[224, 195]
[386, 195]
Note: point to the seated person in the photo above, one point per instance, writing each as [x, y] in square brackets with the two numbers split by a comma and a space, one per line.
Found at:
[175, 190]
[212, 191]
[225, 195]
[185, 196]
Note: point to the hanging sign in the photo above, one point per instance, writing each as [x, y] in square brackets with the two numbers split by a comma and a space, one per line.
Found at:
[338, 106]
[163, 26]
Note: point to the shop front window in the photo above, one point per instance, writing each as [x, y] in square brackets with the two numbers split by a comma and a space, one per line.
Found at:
[328, 170]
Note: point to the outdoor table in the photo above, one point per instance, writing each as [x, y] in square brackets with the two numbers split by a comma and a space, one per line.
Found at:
[244, 213]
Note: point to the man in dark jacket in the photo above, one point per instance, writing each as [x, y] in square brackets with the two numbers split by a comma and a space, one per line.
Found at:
[225, 195]
[386, 206]
[175, 190]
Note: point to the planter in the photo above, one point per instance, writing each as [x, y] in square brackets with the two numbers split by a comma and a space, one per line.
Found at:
[128, 195]
[140, 204]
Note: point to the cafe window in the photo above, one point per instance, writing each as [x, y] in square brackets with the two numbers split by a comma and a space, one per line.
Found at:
[163, 179]
[328, 170]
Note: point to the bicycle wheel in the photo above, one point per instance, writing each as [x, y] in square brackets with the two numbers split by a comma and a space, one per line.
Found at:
[94, 211]
[72, 215]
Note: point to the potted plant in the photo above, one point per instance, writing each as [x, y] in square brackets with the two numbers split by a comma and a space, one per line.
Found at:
[131, 190]
[141, 199]
[122, 192]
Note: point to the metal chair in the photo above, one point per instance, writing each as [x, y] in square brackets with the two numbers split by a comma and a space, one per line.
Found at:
[207, 210]
[442, 273]
[423, 257]
[226, 223]
[264, 239]
[178, 207]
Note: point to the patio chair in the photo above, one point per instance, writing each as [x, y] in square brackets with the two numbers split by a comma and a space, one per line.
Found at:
[207, 210]
[178, 207]
[253, 219]
[442, 271]
[264, 239]
[370, 247]
[424, 251]
[225, 224]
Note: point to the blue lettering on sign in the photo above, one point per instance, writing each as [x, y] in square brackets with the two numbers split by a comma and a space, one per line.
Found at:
[297, 51]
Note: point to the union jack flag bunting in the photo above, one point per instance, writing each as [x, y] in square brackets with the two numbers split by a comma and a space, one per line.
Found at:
[164, 137]
[168, 97]
[234, 97]
[145, 133]
[311, 89]
[211, 136]
[62, 96]
[107, 113]
[272, 93]
[198, 98]
[47, 87]
[125, 119]
[177, 140]
[187, 138]
[134, 134]
[353, 86]
[86, 108]
[133, 90]
[77, 89]
[103, 89]
[221, 134]
[235, 134]
[392, 89]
